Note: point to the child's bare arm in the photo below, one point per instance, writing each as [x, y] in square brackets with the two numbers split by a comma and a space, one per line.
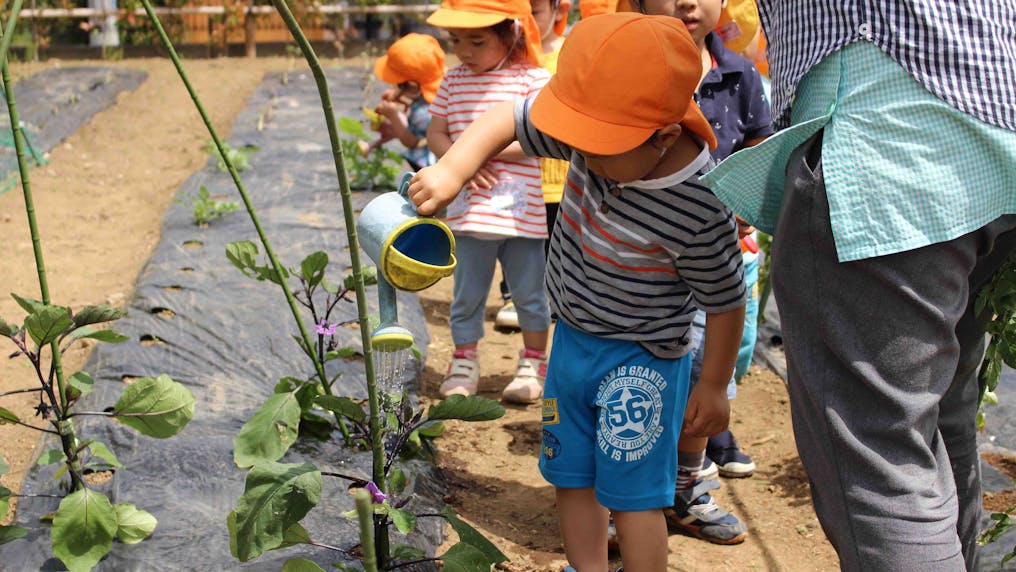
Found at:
[708, 410]
[434, 187]
[438, 138]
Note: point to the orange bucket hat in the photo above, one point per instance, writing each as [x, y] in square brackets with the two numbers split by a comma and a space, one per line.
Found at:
[414, 57]
[620, 78]
[487, 13]
[738, 23]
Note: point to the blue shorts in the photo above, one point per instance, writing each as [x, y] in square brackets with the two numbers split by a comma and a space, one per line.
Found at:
[612, 414]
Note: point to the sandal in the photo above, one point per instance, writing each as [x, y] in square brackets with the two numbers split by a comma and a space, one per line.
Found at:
[527, 387]
[463, 375]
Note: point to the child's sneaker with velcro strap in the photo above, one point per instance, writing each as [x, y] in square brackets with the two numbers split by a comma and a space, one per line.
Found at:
[730, 460]
[527, 387]
[696, 513]
[463, 377]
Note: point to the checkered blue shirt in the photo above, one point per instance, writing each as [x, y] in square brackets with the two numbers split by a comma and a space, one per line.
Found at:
[963, 51]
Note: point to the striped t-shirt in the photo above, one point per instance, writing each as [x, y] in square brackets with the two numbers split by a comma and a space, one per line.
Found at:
[514, 207]
[634, 262]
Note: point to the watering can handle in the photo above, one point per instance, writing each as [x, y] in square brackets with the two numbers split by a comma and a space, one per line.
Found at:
[404, 183]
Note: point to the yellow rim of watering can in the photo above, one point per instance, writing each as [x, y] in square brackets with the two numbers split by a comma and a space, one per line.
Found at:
[408, 274]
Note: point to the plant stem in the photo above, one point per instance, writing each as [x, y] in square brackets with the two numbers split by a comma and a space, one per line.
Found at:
[225, 158]
[356, 480]
[364, 512]
[27, 390]
[376, 432]
[65, 429]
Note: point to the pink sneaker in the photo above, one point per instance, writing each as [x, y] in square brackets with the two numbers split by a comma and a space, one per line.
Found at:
[463, 375]
[527, 387]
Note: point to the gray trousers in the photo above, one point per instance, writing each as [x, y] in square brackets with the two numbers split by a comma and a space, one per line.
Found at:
[882, 361]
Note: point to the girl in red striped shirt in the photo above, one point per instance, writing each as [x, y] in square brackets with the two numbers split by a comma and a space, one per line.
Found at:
[500, 215]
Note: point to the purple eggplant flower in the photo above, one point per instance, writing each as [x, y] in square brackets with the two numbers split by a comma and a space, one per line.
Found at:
[324, 328]
[375, 493]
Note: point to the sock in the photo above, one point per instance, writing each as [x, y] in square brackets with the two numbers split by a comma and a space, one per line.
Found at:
[689, 465]
[528, 353]
[465, 354]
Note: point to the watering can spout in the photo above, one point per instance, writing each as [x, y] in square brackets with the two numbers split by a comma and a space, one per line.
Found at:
[412, 252]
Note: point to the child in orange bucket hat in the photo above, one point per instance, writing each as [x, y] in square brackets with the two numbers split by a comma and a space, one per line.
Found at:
[414, 65]
[640, 245]
[500, 216]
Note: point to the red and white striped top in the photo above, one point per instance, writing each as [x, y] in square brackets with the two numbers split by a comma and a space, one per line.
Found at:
[514, 207]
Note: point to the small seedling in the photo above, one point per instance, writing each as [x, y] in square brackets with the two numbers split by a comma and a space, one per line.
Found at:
[379, 169]
[239, 158]
[205, 208]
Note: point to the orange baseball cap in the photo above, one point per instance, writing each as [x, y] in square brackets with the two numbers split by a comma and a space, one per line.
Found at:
[487, 13]
[414, 57]
[620, 78]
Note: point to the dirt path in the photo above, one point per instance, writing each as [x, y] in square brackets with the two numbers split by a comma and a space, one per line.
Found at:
[495, 484]
[100, 202]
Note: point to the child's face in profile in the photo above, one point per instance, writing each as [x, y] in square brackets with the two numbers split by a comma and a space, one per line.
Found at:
[700, 16]
[479, 49]
[632, 165]
[546, 13]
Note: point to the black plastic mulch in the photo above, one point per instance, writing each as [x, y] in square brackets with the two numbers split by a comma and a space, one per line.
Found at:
[229, 339]
[55, 103]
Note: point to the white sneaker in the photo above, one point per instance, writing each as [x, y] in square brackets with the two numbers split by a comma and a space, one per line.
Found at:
[527, 387]
[507, 318]
[463, 377]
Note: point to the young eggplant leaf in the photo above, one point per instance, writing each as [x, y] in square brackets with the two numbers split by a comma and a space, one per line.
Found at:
[466, 408]
[83, 529]
[133, 524]
[276, 496]
[269, 433]
[157, 407]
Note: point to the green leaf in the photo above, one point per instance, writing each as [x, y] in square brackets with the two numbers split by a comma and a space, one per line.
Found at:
[9, 533]
[7, 329]
[471, 536]
[300, 565]
[243, 255]
[397, 481]
[8, 417]
[312, 269]
[432, 430]
[294, 535]
[269, 433]
[157, 407]
[329, 287]
[352, 127]
[97, 315]
[407, 553]
[343, 406]
[465, 558]
[29, 305]
[52, 456]
[83, 529]
[369, 274]
[79, 385]
[133, 524]
[101, 451]
[276, 496]
[5, 502]
[47, 323]
[108, 336]
[341, 353]
[4, 467]
[404, 520]
[466, 408]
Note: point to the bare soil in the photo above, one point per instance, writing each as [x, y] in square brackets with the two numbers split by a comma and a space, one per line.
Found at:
[100, 202]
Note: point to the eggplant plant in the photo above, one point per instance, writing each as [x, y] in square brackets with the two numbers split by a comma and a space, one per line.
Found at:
[86, 522]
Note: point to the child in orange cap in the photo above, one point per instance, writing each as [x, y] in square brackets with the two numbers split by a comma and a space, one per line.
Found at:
[640, 245]
[414, 65]
[499, 216]
[552, 19]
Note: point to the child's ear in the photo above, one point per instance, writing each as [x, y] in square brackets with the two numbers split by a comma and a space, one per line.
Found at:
[667, 136]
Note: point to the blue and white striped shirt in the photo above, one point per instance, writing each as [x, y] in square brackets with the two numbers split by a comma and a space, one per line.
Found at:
[963, 51]
[634, 262]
